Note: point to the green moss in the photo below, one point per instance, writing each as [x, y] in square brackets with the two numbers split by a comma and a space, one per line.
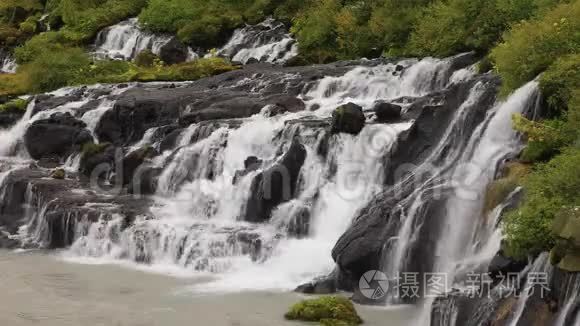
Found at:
[91, 149]
[551, 188]
[58, 174]
[17, 105]
[559, 82]
[146, 58]
[328, 310]
[530, 47]
[499, 189]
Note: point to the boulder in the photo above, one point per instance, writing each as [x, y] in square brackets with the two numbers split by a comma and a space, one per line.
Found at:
[10, 116]
[170, 140]
[98, 160]
[56, 137]
[46, 102]
[276, 185]
[145, 180]
[251, 163]
[173, 52]
[501, 265]
[285, 103]
[58, 174]
[348, 118]
[321, 285]
[387, 112]
[134, 160]
[136, 111]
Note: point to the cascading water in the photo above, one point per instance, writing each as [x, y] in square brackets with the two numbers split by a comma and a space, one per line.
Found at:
[459, 250]
[198, 217]
[126, 40]
[268, 41]
[7, 64]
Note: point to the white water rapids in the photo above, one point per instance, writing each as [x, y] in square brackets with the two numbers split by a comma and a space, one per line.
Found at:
[196, 227]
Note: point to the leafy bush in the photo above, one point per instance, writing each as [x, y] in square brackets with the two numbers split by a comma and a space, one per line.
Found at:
[559, 81]
[55, 69]
[550, 188]
[16, 105]
[532, 46]
[146, 58]
[449, 27]
[329, 310]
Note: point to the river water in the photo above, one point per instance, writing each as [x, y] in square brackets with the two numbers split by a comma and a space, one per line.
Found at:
[42, 289]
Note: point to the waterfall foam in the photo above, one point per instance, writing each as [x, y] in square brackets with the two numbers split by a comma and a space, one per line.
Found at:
[268, 41]
[8, 65]
[197, 223]
[126, 40]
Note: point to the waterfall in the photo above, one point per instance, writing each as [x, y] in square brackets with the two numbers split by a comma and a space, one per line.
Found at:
[268, 41]
[126, 40]
[459, 250]
[570, 299]
[7, 64]
[197, 220]
[541, 265]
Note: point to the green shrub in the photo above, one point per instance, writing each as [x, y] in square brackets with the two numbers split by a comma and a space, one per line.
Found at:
[55, 69]
[146, 58]
[550, 188]
[532, 46]
[328, 310]
[16, 105]
[449, 27]
[559, 81]
[90, 149]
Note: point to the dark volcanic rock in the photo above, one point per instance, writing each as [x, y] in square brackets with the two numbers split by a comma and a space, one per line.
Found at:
[132, 163]
[9, 117]
[136, 111]
[387, 112]
[275, 185]
[173, 52]
[55, 137]
[46, 102]
[251, 164]
[502, 265]
[100, 160]
[348, 118]
[321, 285]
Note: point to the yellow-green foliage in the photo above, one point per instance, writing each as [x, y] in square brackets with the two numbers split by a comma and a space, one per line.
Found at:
[90, 149]
[17, 105]
[499, 189]
[559, 81]
[328, 310]
[72, 66]
[549, 189]
[13, 84]
[452, 26]
[532, 46]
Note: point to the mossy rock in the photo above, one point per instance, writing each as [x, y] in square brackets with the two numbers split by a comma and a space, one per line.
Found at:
[327, 310]
[498, 190]
[146, 58]
[91, 149]
[570, 262]
[58, 174]
[566, 225]
[15, 106]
